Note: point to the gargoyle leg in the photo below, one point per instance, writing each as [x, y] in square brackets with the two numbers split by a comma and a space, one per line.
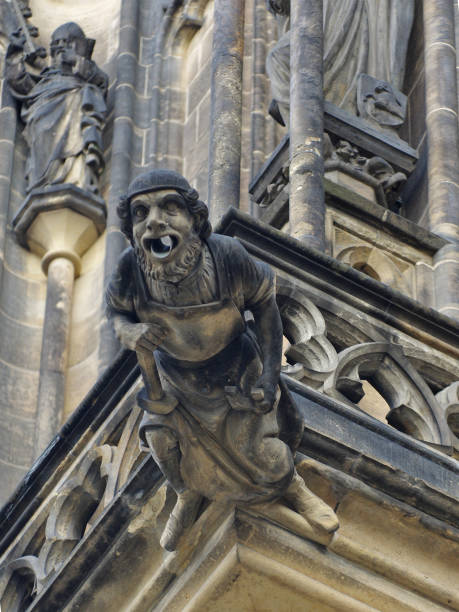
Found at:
[165, 450]
[311, 507]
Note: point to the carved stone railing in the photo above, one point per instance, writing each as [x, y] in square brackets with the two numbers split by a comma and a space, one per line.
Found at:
[79, 474]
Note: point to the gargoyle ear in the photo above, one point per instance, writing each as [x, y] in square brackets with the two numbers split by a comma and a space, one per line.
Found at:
[192, 194]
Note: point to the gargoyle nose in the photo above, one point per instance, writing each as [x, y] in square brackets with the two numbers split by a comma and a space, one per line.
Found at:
[156, 223]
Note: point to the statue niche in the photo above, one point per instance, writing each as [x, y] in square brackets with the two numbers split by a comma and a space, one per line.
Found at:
[365, 47]
[62, 106]
[214, 419]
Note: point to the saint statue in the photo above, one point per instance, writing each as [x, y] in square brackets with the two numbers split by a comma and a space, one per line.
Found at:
[215, 419]
[63, 108]
[365, 47]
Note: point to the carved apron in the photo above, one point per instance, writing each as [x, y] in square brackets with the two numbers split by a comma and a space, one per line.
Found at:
[226, 453]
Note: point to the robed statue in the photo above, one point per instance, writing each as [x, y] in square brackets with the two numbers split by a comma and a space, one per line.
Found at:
[365, 50]
[215, 419]
[63, 108]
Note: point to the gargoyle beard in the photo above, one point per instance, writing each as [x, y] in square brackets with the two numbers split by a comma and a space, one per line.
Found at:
[173, 271]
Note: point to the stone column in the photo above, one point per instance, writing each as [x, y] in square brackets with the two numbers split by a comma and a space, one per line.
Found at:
[226, 107]
[120, 169]
[307, 203]
[259, 89]
[54, 351]
[443, 147]
[59, 224]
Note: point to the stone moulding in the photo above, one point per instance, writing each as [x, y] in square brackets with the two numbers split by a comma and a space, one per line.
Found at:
[305, 329]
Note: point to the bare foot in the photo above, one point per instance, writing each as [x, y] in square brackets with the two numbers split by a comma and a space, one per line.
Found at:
[311, 507]
[182, 516]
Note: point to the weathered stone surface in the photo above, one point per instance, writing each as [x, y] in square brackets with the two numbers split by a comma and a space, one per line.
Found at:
[226, 107]
[20, 388]
[306, 205]
[20, 354]
[442, 130]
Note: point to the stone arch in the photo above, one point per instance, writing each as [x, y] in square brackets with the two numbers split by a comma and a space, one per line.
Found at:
[448, 399]
[181, 92]
[377, 265]
[69, 514]
[413, 407]
[20, 590]
[304, 328]
[75, 503]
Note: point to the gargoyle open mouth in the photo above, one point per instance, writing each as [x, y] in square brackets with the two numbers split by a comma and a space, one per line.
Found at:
[161, 247]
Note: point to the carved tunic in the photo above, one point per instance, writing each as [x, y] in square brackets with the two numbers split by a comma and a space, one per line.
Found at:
[221, 448]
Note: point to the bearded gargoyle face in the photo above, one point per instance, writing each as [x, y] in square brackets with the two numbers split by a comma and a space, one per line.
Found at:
[162, 226]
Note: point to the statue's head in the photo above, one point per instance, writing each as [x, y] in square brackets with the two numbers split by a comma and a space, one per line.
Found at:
[165, 221]
[70, 36]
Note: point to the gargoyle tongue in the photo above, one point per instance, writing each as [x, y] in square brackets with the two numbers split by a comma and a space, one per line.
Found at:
[161, 247]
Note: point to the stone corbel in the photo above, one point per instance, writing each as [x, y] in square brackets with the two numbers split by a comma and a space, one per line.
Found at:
[60, 221]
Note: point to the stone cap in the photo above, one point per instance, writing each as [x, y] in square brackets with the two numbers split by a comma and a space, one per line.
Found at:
[59, 197]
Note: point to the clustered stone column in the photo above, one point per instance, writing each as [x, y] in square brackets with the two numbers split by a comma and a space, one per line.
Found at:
[443, 147]
[226, 106]
[307, 206]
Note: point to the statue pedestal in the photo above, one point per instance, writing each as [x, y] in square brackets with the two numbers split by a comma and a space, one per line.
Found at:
[58, 224]
[60, 221]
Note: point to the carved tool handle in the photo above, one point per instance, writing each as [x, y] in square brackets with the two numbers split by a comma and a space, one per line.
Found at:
[150, 375]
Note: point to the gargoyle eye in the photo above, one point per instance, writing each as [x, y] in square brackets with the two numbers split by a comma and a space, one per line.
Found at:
[171, 206]
[140, 212]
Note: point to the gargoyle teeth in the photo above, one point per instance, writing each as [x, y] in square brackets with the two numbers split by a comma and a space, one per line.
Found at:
[166, 241]
[161, 247]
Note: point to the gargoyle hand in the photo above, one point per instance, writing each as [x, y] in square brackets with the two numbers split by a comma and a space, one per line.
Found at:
[264, 393]
[144, 337]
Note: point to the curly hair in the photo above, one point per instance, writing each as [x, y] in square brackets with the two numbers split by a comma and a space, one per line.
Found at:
[196, 207]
